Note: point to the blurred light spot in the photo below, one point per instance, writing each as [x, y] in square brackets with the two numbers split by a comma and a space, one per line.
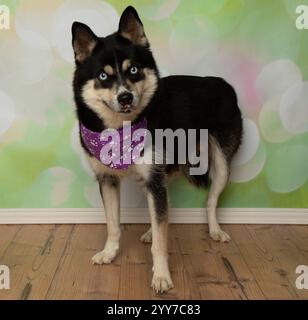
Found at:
[287, 168]
[276, 77]
[156, 9]
[7, 112]
[250, 143]
[294, 108]
[270, 124]
[249, 170]
[100, 16]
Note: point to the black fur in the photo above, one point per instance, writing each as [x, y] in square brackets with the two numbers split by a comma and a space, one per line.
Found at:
[156, 185]
[197, 102]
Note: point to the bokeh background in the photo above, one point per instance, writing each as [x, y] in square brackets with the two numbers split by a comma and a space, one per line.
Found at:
[253, 44]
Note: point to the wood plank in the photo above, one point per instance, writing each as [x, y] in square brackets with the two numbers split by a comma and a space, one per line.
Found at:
[76, 277]
[290, 253]
[135, 281]
[299, 237]
[203, 265]
[53, 262]
[33, 257]
[262, 262]
[278, 239]
[242, 282]
[7, 234]
[186, 288]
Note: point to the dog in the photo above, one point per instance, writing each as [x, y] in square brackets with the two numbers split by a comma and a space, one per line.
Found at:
[116, 79]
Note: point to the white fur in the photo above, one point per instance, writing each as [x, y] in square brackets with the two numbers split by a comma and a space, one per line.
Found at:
[111, 196]
[161, 281]
[94, 99]
[112, 206]
[147, 236]
[218, 173]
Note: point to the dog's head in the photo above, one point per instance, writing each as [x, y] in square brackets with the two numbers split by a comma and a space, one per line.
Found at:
[115, 76]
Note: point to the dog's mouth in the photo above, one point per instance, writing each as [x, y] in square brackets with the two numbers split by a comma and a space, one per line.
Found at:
[127, 108]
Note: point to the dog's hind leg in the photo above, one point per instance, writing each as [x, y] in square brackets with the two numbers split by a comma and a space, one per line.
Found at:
[110, 192]
[147, 236]
[218, 173]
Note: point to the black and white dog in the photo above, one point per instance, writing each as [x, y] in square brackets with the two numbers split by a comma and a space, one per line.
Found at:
[116, 79]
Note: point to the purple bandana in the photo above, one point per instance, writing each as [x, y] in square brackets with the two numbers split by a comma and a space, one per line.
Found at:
[116, 148]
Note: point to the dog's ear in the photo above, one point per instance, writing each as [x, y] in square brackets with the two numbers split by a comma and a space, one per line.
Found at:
[131, 27]
[84, 41]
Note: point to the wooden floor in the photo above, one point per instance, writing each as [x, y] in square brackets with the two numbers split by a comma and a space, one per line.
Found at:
[53, 262]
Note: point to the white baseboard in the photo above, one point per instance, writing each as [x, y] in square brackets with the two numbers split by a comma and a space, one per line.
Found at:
[138, 215]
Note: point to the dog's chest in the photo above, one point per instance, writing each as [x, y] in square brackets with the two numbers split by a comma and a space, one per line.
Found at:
[140, 172]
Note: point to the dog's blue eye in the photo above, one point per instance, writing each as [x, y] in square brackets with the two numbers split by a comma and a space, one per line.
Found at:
[103, 76]
[133, 70]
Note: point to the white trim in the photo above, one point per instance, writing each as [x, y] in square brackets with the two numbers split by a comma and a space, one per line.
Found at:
[139, 215]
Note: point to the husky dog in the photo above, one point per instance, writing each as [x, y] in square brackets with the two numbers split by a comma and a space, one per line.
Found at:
[117, 79]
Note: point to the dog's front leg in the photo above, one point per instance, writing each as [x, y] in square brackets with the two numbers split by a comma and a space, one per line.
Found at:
[158, 207]
[110, 192]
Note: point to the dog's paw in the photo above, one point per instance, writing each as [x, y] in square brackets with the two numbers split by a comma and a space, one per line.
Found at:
[146, 237]
[161, 284]
[104, 257]
[219, 235]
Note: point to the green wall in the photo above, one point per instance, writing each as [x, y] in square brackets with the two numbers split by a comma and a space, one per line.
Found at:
[254, 44]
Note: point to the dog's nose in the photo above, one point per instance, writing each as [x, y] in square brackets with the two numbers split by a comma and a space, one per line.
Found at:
[125, 98]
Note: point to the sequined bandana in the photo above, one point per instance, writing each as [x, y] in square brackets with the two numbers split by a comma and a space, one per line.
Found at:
[116, 148]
